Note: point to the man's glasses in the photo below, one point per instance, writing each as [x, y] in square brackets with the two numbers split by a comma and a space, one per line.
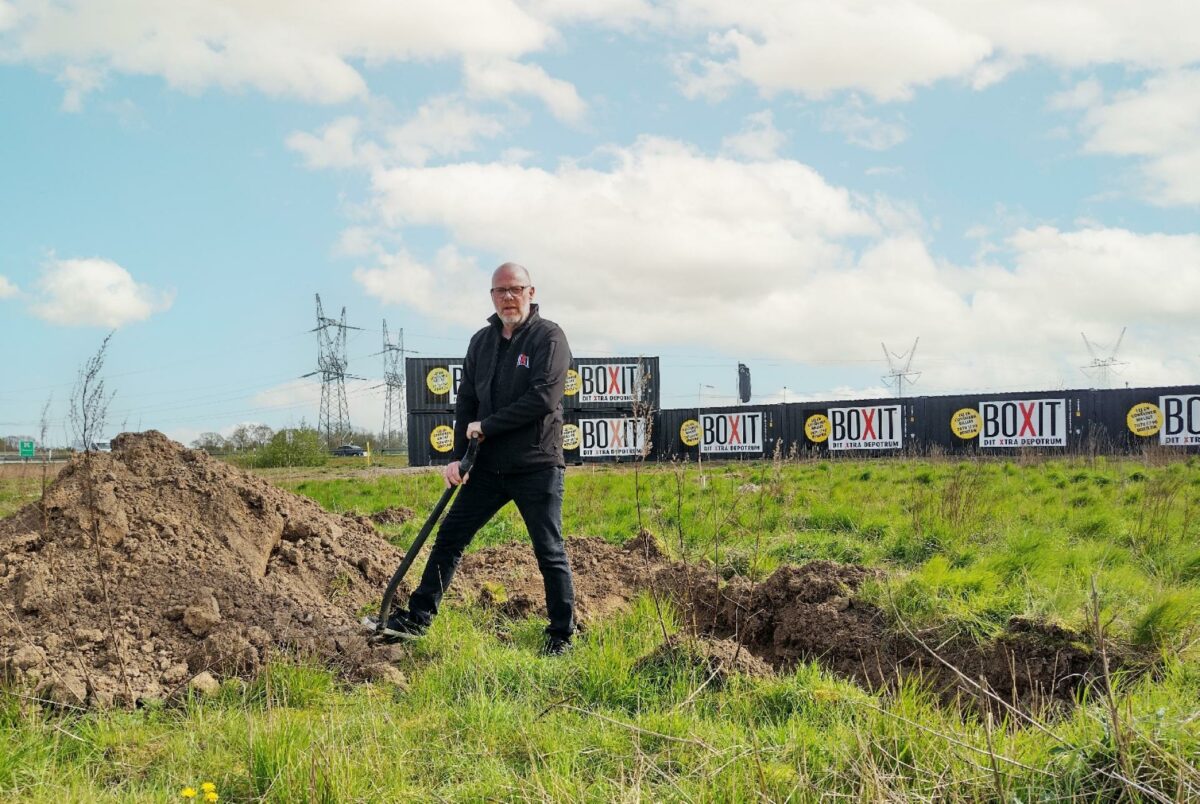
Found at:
[514, 291]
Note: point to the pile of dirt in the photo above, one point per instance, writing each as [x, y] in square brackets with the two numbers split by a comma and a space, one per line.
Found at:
[397, 515]
[714, 660]
[156, 567]
[810, 612]
[797, 614]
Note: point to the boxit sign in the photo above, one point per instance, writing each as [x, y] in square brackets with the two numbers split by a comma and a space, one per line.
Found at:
[1181, 420]
[1024, 423]
[610, 383]
[608, 438]
[875, 427]
[731, 432]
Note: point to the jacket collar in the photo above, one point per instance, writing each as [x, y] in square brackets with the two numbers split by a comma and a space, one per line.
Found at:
[498, 325]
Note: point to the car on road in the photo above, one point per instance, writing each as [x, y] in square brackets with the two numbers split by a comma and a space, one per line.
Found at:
[349, 451]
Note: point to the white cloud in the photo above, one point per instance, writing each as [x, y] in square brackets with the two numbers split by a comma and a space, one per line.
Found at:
[79, 81]
[500, 78]
[399, 278]
[7, 288]
[859, 128]
[814, 48]
[297, 48]
[1081, 96]
[666, 245]
[758, 139]
[888, 49]
[94, 292]
[622, 14]
[336, 146]
[1160, 125]
[443, 126]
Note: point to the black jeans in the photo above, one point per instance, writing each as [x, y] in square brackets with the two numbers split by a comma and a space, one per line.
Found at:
[539, 497]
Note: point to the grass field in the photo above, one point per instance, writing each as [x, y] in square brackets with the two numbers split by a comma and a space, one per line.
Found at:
[964, 546]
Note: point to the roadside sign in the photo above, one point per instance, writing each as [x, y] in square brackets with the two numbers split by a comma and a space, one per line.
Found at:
[26, 449]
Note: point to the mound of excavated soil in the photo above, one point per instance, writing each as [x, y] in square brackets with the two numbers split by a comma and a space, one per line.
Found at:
[157, 566]
[392, 516]
[805, 613]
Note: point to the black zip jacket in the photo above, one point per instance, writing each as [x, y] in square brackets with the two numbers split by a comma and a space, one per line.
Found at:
[522, 425]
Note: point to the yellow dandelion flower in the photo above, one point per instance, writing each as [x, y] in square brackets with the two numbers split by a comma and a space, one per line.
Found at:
[188, 792]
[208, 787]
[211, 797]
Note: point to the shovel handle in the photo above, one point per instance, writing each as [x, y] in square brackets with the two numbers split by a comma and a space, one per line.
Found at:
[464, 466]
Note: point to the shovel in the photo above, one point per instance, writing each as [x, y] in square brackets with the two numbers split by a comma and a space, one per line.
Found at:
[385, 608]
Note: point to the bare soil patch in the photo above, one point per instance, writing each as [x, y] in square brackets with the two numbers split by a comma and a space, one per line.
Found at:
[156, 567]
[799, 613]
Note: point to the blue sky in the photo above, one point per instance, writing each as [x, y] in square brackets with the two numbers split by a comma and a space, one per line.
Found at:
[786, 184]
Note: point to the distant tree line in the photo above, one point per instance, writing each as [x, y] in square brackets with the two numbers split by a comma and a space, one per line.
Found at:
[259, 445]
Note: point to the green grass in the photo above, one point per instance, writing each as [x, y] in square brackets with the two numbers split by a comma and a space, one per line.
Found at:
[971, 542]
[484, 717]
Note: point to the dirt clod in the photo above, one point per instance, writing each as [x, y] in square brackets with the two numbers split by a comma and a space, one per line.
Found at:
[397, 515]
[205, 684]
[155, 565]
[715, 660]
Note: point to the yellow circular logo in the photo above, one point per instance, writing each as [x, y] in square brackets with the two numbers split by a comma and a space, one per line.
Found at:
[966, 423]
[570, 436]
[1144, 419]
[817, 428]
[689, 432]
[438, 381]
[572, 386]
[442, 438]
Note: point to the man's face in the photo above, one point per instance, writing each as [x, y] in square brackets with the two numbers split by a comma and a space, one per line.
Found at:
[511, 305]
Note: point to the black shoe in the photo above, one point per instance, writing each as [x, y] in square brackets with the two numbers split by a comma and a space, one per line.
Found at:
[556, 646]
[401, 625]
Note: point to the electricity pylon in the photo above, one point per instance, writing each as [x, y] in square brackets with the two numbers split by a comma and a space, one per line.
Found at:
[900, 375]
[1100, 367]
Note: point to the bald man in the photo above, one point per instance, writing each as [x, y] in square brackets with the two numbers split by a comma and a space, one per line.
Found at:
[511, 398]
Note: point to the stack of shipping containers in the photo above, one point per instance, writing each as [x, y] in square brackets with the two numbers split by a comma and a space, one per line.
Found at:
[608, 408]
[431, 388]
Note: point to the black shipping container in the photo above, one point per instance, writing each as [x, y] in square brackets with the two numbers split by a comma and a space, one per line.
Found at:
[858, 427]
[611, 436]
[1007, 423]
[737, 432]
[1131, 419]
[430, 439]
[612, 383]
[593, 383]
[431, 383]
[606, 437]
